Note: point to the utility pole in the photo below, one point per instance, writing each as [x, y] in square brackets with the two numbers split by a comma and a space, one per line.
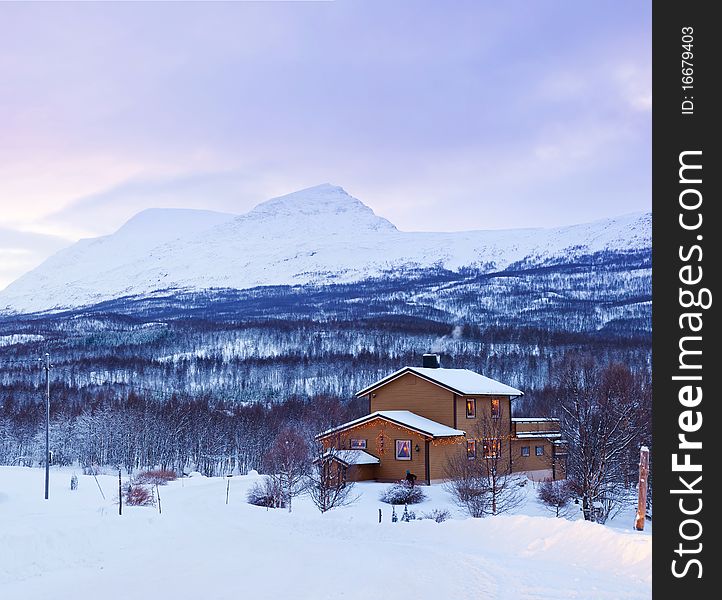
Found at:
[47, 424]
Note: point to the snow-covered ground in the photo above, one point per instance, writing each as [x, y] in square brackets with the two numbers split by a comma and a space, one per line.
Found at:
[75, 545]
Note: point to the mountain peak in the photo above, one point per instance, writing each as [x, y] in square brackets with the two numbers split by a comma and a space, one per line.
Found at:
[325, 204]
[318, 235]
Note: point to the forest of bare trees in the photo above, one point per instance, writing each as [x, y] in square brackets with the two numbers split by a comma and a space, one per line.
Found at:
[606, 413]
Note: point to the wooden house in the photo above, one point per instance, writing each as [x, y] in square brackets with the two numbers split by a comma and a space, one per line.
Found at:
[419, 418]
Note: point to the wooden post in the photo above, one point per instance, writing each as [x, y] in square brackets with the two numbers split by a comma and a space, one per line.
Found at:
[642, 488]
[228, 489]
[379, 515]
[120, 494]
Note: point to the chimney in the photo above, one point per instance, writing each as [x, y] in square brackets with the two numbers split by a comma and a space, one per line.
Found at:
[431, 361]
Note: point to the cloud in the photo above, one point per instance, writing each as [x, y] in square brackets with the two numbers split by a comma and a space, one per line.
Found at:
[437, 115]
[21, 251]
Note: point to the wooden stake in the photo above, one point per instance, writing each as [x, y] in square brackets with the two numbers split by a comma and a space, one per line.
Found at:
[120, 494]
[642, 487]
[100, 488]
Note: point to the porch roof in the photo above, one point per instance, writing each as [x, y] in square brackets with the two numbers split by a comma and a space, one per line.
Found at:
[405, 418]
[352, 457]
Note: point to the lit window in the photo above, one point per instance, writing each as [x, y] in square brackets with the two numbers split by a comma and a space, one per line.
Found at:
[471, 449]
[403, 449]
[358, 444]
[539, 450]
[495, 408]
[525, 450]
[491, 449]
[470, 408]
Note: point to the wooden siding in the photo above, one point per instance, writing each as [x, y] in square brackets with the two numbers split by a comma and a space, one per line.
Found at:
[390, 468]
[483, 411]
[361, 472]
[536, 426]
[440, 451]
[547, 462]
[443, 451]
[483, 421]
[410, 392]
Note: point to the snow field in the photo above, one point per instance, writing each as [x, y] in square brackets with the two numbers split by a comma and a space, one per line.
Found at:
[76, 546]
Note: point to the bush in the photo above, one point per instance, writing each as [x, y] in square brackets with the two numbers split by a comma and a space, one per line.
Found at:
[409, 515]
[556, 496]
[156, 477]
[437, 515]
[403, 493]
[139, 495]
[268, 494]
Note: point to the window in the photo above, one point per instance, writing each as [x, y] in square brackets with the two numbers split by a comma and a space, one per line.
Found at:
[491, 449]
[539, 450]
[495, 408]
[471, 449]
[358, 444]
[403, 449]
[470, 408]
[525, 450]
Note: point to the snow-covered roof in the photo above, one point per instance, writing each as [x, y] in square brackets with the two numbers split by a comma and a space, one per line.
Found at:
[353, 457]
[460, 381]
[538, 434]
[532, 419]
[404, 418]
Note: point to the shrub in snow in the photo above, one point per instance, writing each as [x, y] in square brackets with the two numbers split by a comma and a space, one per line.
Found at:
[394, 518]
[138, 495]
[156, 477]
[403, 493]
[484, 486]
[408, 515]
[74, 482]
[266, 493]
[555, 495]
[438, 515]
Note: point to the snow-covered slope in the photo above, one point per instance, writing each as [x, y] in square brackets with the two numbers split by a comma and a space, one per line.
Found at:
[319, 235]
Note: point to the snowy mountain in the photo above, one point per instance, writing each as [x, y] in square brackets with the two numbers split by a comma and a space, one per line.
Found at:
[320, 235]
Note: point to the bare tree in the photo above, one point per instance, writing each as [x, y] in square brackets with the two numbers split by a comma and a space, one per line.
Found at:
[603, 417]
[287, 463]
[326, 482]
[556, 496]
[480, 478]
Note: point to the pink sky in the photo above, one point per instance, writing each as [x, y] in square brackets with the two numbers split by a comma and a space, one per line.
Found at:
[440, 116]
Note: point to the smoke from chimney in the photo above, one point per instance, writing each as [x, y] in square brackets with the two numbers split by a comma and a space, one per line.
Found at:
[441, 344]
